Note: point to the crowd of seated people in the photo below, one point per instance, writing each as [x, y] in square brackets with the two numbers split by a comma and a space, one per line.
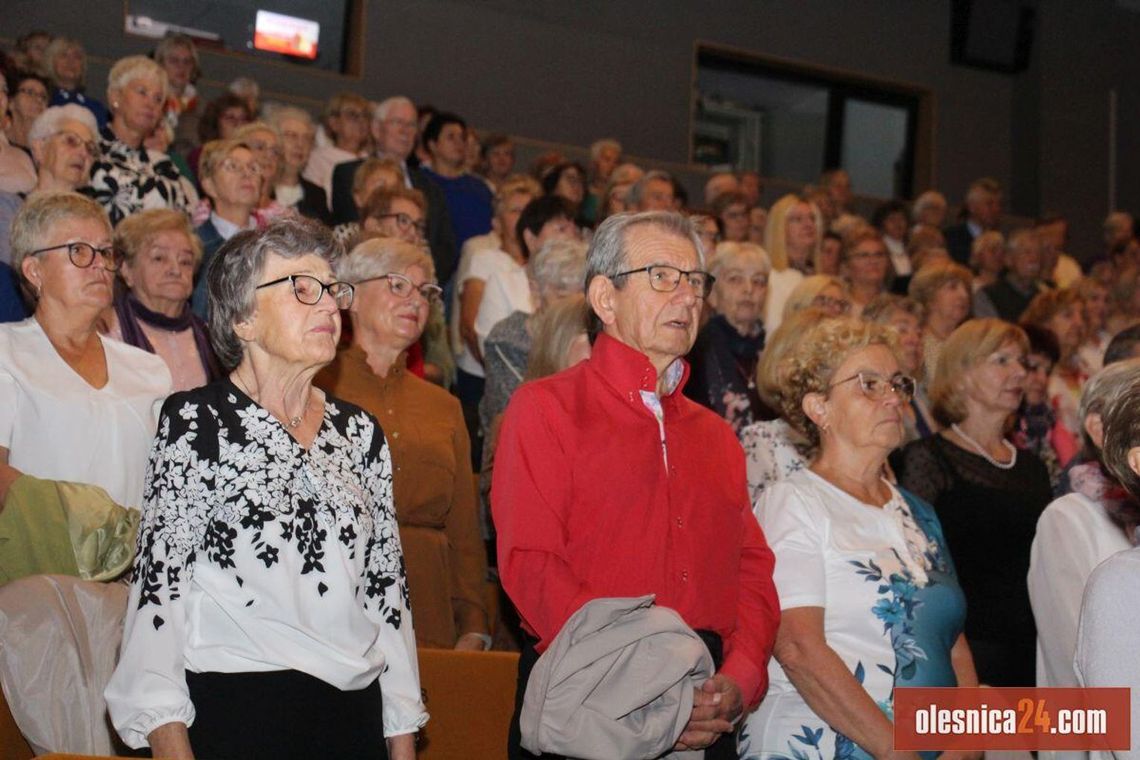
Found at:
[952, 374]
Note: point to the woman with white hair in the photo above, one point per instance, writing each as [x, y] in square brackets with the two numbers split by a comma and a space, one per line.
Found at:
[723, 358]
[126, 178]
[554, 272]
[1094, 519]
[62, 140]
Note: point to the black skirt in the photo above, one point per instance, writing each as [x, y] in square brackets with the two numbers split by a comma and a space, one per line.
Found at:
[283, 714]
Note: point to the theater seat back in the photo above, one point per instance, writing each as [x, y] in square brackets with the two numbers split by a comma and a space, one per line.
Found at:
[470, 696]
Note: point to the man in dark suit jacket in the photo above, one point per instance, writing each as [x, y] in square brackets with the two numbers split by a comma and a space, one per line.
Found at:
[983, 212]
[394, 132]
[314, 204]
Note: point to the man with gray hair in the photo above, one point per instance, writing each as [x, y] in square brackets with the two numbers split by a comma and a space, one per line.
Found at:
[394, 136]
[982, 213]
[653, 192]
[609, 482]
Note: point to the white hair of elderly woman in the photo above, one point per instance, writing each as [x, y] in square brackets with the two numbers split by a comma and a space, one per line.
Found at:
[49, 122]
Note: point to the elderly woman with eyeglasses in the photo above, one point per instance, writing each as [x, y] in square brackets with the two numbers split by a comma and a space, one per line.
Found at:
[268, 615]
[432, 479]
[265, 142]
[126, 178]
[988, 494]
[160, 255]
[723, 359]
[62, 141]
[73, 405]
[868, 594]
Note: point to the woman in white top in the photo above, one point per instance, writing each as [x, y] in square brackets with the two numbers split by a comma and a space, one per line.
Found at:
[269, 614]
[1093, 520]
[507, 288]
[791, 238]
[868, 594]
[1109, 632]
[73, 406]
[773, 449]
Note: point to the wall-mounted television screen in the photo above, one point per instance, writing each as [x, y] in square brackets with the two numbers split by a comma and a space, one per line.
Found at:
[278, 33]
[307, 32]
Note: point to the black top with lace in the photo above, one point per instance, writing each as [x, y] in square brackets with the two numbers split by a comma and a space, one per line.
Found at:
[989, 517]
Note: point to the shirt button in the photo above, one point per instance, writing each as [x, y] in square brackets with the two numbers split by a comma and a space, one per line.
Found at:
[685, 575]
[396, 434]
[680, 522]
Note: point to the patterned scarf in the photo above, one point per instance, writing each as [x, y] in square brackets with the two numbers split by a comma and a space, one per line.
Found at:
[132, 315]
[1089, 478]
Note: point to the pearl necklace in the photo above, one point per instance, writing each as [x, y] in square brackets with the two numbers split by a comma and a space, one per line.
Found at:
[985, 454]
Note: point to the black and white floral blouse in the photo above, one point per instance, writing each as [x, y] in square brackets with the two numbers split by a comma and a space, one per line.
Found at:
[126, 180]
[256, 554]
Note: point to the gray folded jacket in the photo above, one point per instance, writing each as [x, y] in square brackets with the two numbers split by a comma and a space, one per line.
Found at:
[616, 682]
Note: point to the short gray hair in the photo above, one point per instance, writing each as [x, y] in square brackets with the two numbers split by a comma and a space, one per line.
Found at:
[607, 255]
[378, 256]
[232, 275]
[558, 265]
[1105, 385]
[728, 252]
[282, 114]
[380, 110]
[127, 70]
[48, 123]
[927, 200]
[41, 213]
[637, 189]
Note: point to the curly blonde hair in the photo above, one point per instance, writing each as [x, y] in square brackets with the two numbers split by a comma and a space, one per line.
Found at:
[811, 365]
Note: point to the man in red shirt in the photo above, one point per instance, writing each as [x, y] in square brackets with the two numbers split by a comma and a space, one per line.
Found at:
[610, 483]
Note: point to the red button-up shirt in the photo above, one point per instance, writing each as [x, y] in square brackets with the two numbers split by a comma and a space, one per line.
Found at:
[588, 505]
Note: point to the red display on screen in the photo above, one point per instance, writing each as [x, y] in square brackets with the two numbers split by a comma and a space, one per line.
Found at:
[289, 35]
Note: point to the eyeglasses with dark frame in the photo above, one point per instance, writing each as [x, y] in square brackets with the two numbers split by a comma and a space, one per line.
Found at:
[404, 221]
[402, 287]
[875, 386]
[665, 278]
[309, 290]
[82, 255]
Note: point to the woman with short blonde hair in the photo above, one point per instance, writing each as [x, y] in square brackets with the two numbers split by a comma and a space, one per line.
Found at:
[839, 654]
[822, 291]
[988, 494]
[126, 178]
[942, 287]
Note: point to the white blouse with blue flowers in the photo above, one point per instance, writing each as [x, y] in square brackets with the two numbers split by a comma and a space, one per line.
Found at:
[892, 605]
